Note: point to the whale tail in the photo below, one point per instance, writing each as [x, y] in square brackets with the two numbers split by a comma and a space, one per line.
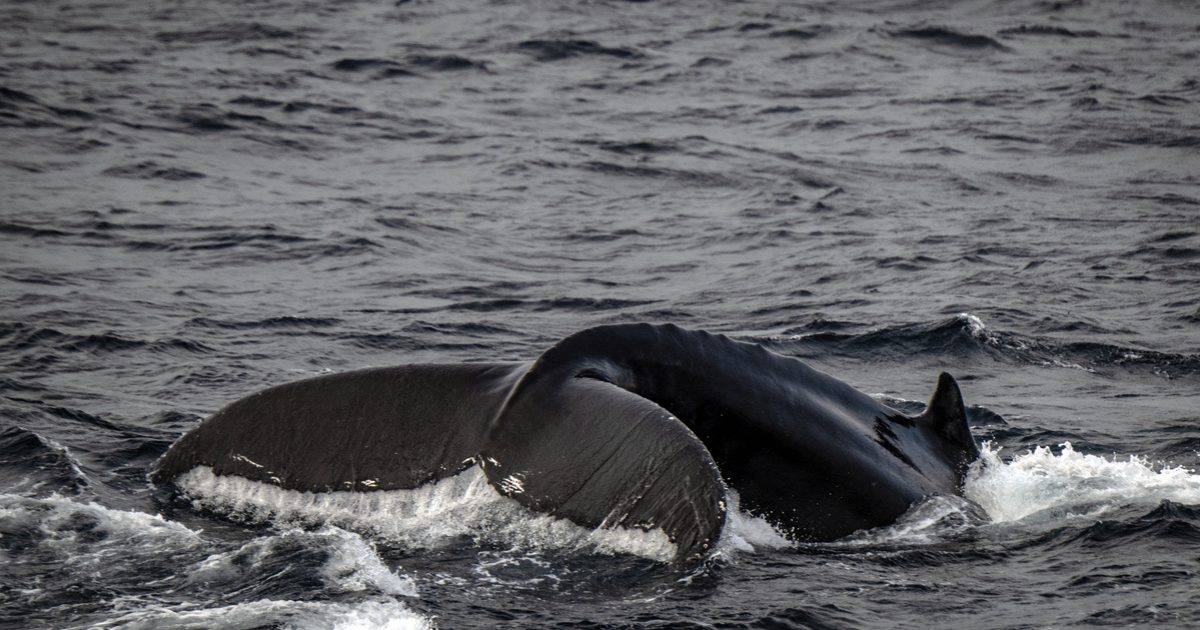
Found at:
[946, 417]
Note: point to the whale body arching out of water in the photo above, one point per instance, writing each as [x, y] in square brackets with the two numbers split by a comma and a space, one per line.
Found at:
[634, 425]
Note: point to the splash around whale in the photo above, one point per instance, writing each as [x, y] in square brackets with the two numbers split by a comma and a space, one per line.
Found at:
[633, 426]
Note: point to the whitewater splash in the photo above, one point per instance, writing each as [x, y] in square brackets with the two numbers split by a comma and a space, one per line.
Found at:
[285, 614]
[437, 514]
[428, 517]
[1037, 486]
[1068, 483]
[353, 564]
[115, 546]
[747, 533]
[88, 534]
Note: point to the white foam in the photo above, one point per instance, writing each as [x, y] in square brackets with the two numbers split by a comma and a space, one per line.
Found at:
[292, 615]
[431, 516]
[976, 327]
[747, 533]
[1071, 483]
[76, 468]
[353, 564]
[59, 520]
[981, 332]
[225, 566]
[928, 522]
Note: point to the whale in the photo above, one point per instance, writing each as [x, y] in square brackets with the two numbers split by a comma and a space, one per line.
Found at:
[645, 426]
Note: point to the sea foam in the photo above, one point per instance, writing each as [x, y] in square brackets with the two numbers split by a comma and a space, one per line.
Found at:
[287, 614]
[77, 529]
[428, 517]
[747, 533]
[1042, 482]
[352, 566]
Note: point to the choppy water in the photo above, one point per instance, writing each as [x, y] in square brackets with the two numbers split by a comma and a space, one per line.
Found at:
[203, 199]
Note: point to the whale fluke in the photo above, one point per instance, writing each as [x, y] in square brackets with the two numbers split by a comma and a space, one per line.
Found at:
[373, 429]
[573, 444]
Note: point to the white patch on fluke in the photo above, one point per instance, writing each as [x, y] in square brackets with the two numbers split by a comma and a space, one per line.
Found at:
[512, 484]
[1071, 483]
[243, 458]
[431, 516]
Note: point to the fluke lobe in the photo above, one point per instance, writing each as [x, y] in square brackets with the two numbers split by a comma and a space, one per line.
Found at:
[637, 426]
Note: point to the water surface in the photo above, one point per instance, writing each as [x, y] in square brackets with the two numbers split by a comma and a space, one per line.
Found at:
[204, 199]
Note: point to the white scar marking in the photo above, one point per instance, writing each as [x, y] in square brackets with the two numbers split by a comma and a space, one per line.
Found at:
[512, 484]
[243, 458]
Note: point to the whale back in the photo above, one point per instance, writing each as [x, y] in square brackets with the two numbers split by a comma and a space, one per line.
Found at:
[816, 457]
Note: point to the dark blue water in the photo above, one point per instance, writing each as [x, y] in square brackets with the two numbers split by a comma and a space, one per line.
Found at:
[203, 199]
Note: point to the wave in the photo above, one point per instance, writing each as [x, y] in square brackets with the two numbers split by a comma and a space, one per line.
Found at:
[152, 170]
[692, 178]
[19, 229]
[1168, 523]
[27, 110]
[251, 243]
[809, 32]
[10, 98]
[966, 335]
[381, 68]
[344, 561]
[950, 38]
[21, 336]
[281, 322]
[446, 63]
[61, 536]
[273, 613]
[56, 539]
[424, 336]
[580, 304]
[559, 49]
[1046, 29]
[231, 32]
[33, 465]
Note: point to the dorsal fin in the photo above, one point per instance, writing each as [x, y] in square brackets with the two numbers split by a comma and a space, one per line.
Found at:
[947, 415]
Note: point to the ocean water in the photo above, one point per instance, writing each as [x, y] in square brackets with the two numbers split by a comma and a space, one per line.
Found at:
[199, 200]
